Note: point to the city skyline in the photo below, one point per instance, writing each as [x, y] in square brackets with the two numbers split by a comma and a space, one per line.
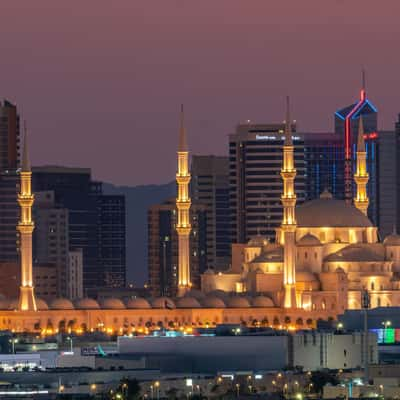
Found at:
[120, 83]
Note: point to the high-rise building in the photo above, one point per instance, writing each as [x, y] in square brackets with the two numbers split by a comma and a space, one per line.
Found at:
[255, 161]
[50, 237]
[75, 275]
[88, 209]
[346, 125]
[9, 137]
[210, 186]
[163, 247]
[9, 181]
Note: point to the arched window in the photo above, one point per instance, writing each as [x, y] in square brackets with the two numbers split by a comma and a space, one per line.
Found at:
[323, 304]
[378, 302]
[305, 255]
[372, 285]
[315, 255]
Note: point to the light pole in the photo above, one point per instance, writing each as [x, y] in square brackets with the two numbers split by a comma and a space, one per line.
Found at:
[157, 385]
[13, 341]
[69, 338]
[385, 324]
[237, 390]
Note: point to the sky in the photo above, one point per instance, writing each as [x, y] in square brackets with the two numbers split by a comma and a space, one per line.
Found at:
[100, 83]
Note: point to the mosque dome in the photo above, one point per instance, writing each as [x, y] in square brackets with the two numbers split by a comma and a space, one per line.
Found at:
[163, 302]
[309, 240]
[238, 302]
[196, 294]
[209, 271]
[61, 304]
[262, 301]
[41, 305]
[112, 304]
[392, 240]
[138, 303]
[187, 302]
[220, 294]
[86, 304]
[213, 302]
[305, 276]
[258, 241]
[328, 212]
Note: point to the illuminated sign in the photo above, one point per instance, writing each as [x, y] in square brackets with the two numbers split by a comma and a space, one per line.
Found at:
[270, 137]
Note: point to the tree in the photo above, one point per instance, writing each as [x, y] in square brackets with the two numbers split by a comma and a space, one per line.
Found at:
[320, 378]
[129, 388]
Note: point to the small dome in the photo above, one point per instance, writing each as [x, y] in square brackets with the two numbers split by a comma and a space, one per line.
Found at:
[339, 270]
[238, 302]
[209, 271]
[258, 241]
[13, 304]
[4, 304]
[41, 305]
[309, 240]
[262, 301]
[61, 304]
[86, 304]
[213, 302]
[196, 294]
[305, 276]
[392, 240]
[163, 302]
[187, 302]
[138, 303]
[220, 294]
[112, 304]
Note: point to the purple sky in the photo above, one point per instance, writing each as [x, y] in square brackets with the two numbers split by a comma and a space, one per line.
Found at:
[100, 82]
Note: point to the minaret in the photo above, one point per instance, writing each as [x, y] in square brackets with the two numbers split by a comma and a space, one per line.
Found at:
[25, 227]
[288, 226]
[361, 176]
[183, 226]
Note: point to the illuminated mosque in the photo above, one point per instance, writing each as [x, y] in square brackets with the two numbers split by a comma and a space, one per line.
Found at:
[325, 254]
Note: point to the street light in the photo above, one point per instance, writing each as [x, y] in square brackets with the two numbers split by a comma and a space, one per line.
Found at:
[385, 324]
[13, 342]
[69, 339]
[237, 389]
[157, 385]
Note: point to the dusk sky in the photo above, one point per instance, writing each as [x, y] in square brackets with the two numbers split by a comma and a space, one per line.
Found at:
[100, 82]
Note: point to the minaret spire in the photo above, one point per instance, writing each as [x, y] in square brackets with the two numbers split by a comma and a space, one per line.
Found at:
[288, 227]
[183, 203]
[25, 227]
[361, 176]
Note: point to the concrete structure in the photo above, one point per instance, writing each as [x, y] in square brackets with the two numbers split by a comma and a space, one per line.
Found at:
[46, 282]
[163, 247]
[51, 237]
[9, 137]
[25, 227]
[75, 275]
[210, 186]
[183, 202]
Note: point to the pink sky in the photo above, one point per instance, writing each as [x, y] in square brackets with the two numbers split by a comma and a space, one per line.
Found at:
[100, 82]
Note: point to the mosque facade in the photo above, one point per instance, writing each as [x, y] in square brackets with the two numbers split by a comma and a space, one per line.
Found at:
[326, 254]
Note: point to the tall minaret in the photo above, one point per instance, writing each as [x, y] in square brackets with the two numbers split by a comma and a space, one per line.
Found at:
[25, 227]
[361, 176]
[288, 226]
[183, 226]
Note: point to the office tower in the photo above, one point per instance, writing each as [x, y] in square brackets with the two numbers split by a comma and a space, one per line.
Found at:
[346, 125]
[46, 282]
[75, 191]
[9, 181]
[9, 137]
[255, 161]
[324, 164]
[112, 239]
[27, 301]
[210, 186]
[50, 238]
[75, 275]
[163, 247]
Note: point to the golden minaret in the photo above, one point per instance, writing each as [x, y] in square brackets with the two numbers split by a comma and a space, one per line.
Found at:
[25, 227]
[361, 176]
[183, 203]
[288, 226]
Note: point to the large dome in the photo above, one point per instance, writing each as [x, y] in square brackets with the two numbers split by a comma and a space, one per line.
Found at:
[86, 304]
[238, 302]
[61, 304]
[163, 302]
[213, 302]
[41, 305]
[328, 212]
[262, 301]
[309, 240]
[187, 302]
[138, 302]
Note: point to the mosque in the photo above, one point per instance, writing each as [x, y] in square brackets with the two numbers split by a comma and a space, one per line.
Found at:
[326, 253]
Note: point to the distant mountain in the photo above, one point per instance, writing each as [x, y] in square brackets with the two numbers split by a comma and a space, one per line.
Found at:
[137, 201]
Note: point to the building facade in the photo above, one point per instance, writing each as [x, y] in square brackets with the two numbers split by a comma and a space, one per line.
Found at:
[163, 247]
[75, 275]
[255, 160]
[210, 186]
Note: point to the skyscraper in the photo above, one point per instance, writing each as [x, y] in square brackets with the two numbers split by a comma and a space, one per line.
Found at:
[346, 125]
[89, 221]
[9, 137]
[255, 161]
[210, 186]
[163, 247]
